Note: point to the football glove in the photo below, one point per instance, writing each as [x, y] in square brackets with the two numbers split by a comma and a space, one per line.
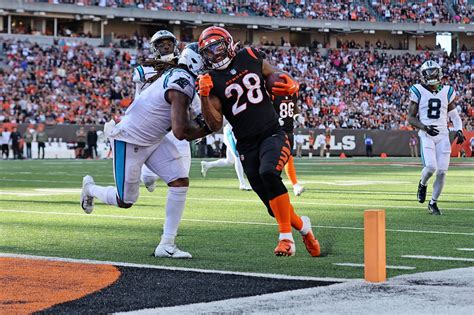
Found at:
[460, 137]
[290, 86]
[431, 130]
[280, 121]
[205, 84]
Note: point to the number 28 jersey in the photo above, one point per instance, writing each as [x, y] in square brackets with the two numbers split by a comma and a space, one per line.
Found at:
[245, 101]
[433, 106]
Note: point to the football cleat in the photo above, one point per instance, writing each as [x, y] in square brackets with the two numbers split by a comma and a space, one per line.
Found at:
[149, 182]
[203, 168]
[245, 187]
[311, 243]
[433, 209]
[298, 189]
[171, 251]
[87, 201]
[285, 247]
[421, 194]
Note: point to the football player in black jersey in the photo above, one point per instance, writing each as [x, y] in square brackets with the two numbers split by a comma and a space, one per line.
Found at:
[288, 112]
[235, 88]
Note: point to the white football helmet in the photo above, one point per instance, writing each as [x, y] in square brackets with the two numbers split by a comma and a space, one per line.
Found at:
[431, 73]
[155, 49]
[191, 58]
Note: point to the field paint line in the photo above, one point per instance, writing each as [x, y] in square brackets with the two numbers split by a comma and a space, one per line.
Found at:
[116, 216]
[134, 265]
[314, 203]
[439, 258]
[466, 249]
[388, 266]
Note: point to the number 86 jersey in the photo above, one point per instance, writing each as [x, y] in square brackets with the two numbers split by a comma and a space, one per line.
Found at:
[245, 101]
[433, 106]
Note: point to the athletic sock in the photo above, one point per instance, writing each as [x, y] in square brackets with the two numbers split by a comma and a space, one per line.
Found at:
[296, 221]
[107, 195]
[432, 201]
[291, 171]
[286, 236]
[174, 211]
[281, 209]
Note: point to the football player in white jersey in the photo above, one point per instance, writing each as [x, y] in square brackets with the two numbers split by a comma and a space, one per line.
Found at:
[231, 158]
[140, 138]
[145, 74]
[431, 105]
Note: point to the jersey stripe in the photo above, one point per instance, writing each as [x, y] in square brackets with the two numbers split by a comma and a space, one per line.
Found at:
[450, 93]
[119, 161]
[417, 93]
[141, 73]
[251, 53]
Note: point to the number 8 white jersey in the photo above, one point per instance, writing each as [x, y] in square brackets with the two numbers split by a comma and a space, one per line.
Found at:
[433, 106]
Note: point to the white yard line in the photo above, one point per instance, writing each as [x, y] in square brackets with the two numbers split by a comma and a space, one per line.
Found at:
[133, 265]
[439, 258]
[113, 216]
[466, 249]
[388, 266]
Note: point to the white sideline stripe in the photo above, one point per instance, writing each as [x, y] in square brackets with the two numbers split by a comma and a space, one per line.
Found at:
[115, 216]
[133, 265]
[362, 265]
[466, 249]
[438, 258]
[314, 203]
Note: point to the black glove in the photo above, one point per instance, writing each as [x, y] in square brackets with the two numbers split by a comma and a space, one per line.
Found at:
[202, 124]
[460, 137]
[431, 130]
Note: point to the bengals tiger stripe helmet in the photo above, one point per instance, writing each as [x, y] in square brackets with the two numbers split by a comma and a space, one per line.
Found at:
[217, 48]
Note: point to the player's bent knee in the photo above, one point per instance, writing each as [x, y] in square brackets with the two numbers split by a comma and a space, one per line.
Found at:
[441, 172]
[122, 204]
[273, 184]
[430, 169]
[180, 182]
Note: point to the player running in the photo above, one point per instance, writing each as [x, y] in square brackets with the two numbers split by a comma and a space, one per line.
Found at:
[235, 88]
[231, 158]
[431, 104]
[288, 113]
[140, 138]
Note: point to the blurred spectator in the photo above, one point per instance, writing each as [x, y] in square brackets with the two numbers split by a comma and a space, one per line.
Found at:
[299, 141]
[92, 142]
[5, 143]
[81, 142]
[321, 142]
[41, 138]
[28, 137]
[413, 143]
[15, 138]
[369, 142]
[328, 143]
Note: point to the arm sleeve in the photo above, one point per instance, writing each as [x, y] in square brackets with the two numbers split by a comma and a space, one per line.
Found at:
[138, 75]
[181, 81]
[457, 122]
[451, 94]
[415, 95]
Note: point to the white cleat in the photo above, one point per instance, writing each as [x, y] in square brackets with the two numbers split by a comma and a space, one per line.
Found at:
[149, 182]
[298, 189]
[87, 201]
[171, 251]
[203, 168]
[245, 187]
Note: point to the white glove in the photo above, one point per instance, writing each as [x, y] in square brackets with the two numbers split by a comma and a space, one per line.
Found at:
[280, 120]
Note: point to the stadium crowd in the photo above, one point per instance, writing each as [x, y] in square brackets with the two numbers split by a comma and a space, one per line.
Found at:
[357, 89]
[433, 11]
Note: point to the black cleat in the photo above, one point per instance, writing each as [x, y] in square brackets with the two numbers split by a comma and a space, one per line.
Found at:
[433, 209]
[421, 194]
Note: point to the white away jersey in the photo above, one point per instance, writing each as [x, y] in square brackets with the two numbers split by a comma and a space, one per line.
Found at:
[433, 106]
[148, 118]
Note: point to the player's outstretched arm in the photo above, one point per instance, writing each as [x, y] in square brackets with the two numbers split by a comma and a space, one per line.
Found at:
[181, 125]
[211, 106]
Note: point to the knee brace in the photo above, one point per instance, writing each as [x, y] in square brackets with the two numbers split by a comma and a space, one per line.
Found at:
[273, 184]
[122, 204]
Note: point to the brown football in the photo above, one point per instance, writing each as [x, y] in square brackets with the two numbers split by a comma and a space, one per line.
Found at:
[271, 79]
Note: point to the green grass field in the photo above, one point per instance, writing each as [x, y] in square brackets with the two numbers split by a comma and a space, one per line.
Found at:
[228, 229]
